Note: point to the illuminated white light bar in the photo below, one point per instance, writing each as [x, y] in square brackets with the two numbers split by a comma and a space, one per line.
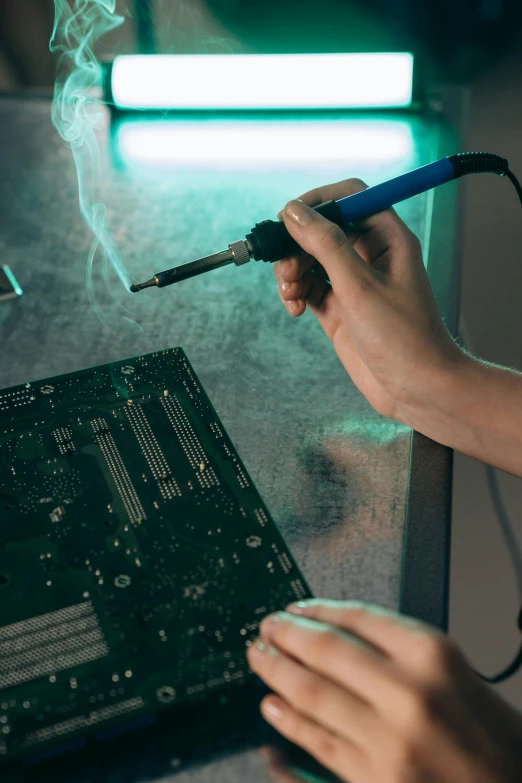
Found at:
[263, 81]
[259, 143]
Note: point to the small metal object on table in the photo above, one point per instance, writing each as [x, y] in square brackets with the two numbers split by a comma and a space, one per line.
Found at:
[9, 288]
[362, 501]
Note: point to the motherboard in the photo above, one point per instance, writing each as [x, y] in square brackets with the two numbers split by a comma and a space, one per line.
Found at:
[136, 556]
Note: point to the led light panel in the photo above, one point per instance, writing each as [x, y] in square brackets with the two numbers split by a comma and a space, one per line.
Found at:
[263, 81]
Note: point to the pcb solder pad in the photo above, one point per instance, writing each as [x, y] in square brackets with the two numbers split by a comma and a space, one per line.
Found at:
[136, 556]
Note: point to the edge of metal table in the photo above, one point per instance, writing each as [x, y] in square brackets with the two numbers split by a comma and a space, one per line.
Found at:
[424, 591]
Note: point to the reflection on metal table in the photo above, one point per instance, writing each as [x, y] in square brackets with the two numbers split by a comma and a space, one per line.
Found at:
[363, 502]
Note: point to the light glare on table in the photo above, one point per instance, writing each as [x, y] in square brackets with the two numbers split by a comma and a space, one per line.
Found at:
[263, 142]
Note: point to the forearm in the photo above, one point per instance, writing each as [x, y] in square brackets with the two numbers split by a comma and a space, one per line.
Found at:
[475, 408]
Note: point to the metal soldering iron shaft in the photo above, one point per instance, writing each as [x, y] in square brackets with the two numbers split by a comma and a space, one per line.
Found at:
[270, 240]
[182, 272]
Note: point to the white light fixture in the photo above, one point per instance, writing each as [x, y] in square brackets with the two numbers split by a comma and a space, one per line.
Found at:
[263, 81]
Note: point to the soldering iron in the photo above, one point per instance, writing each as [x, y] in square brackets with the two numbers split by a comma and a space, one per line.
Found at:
[270, 240]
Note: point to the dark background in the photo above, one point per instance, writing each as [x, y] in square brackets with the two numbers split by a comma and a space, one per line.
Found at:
[456, 39]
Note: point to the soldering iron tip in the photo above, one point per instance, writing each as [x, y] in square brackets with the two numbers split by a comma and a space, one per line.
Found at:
[138, 286]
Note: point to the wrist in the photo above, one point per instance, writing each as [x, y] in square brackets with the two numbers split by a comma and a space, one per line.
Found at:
[474, 407]
[441, 408]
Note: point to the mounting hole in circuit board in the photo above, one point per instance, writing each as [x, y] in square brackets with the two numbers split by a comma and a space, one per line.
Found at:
[122, 580]
[165, 694]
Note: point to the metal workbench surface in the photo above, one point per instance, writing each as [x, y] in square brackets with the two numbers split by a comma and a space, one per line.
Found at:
[362, 502]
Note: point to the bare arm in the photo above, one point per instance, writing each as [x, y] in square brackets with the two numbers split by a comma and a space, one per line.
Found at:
[370, 292]
[476, 410]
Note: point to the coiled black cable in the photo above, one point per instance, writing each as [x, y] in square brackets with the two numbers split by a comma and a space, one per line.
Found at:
[479, 163]
[512, 668]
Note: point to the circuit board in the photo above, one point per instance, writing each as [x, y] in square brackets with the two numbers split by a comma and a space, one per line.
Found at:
[136, 557]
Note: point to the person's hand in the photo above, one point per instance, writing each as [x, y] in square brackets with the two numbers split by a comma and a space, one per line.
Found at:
[379, 698]
[370, 291]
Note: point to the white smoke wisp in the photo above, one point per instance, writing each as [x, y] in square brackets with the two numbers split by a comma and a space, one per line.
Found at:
[76, 114]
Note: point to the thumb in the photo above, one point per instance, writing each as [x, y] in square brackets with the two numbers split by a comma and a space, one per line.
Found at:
[329, 245]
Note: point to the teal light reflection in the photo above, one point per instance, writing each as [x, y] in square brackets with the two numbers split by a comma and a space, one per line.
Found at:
[368, 429]
[227, 143]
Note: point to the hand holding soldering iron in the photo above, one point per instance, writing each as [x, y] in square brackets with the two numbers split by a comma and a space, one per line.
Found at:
[369, 288]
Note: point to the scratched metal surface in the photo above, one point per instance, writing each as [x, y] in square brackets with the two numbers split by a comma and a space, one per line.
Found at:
[333, 472]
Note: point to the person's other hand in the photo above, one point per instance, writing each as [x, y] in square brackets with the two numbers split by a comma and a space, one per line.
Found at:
[369, 289]
[379, 698]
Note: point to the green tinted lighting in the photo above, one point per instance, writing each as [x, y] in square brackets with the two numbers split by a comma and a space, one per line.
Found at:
[263, 81]
[228, 143]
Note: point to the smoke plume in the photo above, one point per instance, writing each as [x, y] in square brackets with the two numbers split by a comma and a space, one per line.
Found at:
[76, 114]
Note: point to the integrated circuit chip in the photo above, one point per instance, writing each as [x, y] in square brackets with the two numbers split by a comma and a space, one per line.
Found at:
[136, 556]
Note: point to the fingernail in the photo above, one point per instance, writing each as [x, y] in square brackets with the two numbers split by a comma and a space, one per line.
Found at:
[299, 212]
[284, 286]
[258, 650]
[271, 711]
[272, 621]
[298, 608]
[293, 306]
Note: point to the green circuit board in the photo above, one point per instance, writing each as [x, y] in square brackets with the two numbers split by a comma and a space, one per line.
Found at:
[136, 557]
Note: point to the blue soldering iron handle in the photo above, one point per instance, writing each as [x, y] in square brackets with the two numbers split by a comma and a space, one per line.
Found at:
[269, 240]
[393, 191]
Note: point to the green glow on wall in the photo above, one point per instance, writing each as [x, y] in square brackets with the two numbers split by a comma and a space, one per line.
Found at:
[263, 81]
[278, 142]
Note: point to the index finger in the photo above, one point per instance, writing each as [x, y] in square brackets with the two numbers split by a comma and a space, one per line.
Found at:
[382, 627]
[333, 192]
[362, 668]
[292, 269]
[387, 220]
[382, 228]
